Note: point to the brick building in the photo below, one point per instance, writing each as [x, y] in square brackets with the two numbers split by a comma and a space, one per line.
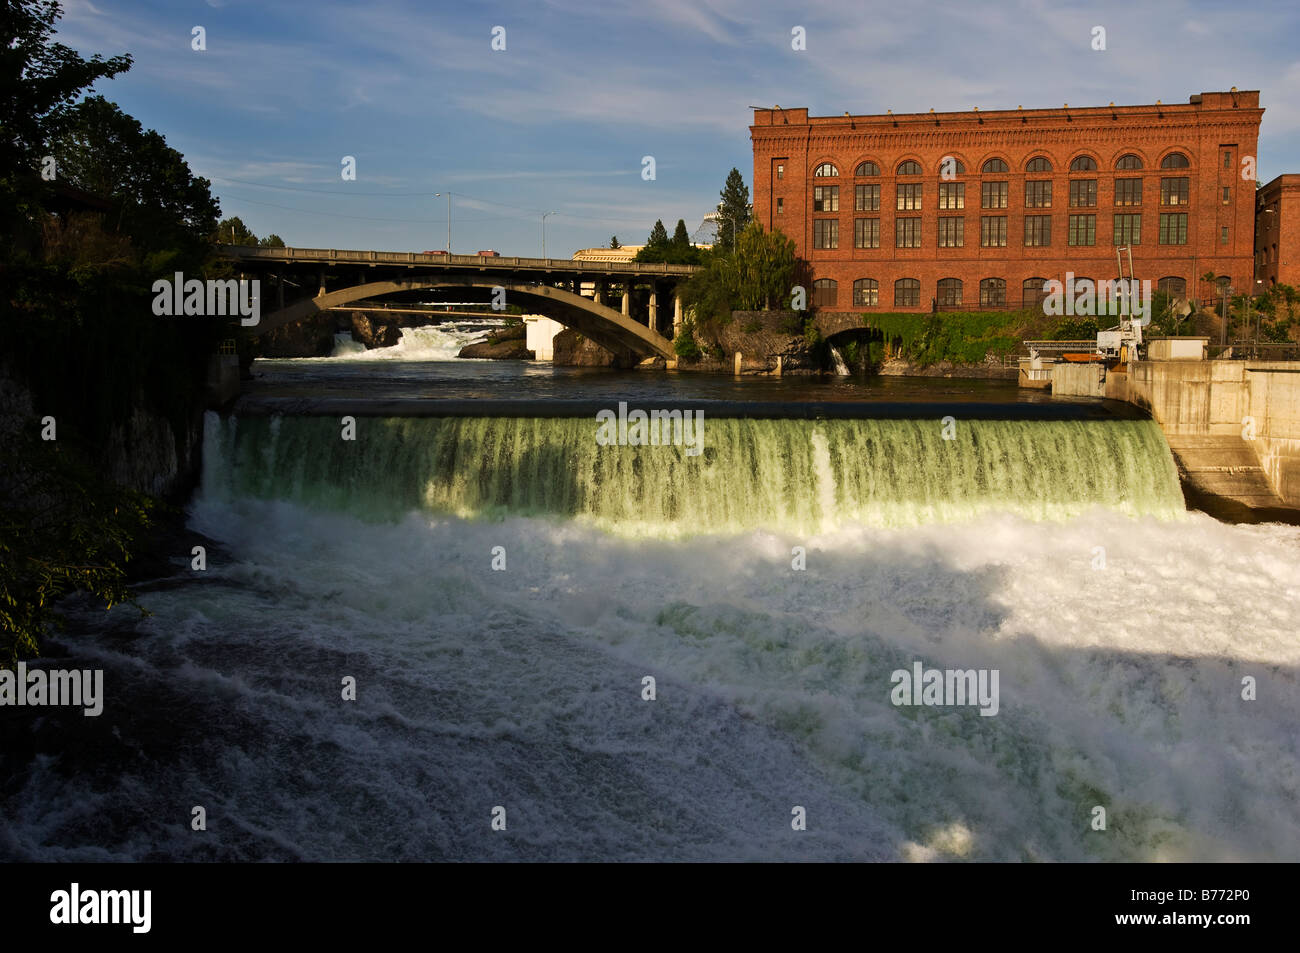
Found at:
[977, 209]
[1277, 239]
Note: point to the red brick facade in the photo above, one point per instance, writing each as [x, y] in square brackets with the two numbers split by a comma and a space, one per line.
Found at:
[1198, 147]
[1277, 239]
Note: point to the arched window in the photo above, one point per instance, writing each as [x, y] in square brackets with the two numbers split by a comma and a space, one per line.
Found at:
[951, 165]
[1083, 164]
[825, 292]
[993, 293]
[867, 168]
[1039, 164]
[1129, 161]
[866, 293]
[1223, 281]
[1175, 160]
[949, 292]
[1173, 286]
[910, 167]
[826, 170]
[1033, 292]
[907, 293]
[995, 165]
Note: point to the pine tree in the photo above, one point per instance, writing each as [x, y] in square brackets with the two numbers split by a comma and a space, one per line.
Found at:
[733, 210]
[658, 235]
[615, 243]
[681, 238]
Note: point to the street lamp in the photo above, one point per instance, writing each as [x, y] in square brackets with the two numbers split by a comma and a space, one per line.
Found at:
[438, 195]
[544, 214]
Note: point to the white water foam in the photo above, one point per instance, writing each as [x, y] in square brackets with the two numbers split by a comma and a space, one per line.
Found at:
[1120, 687]
[434, 342]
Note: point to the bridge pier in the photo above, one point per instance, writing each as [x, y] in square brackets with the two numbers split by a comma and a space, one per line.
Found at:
[677, 312]
[627, 299]
[321, 293]
[652, 318]
[598, 291]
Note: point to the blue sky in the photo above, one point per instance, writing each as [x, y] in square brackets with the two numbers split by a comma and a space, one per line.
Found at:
[561, 119]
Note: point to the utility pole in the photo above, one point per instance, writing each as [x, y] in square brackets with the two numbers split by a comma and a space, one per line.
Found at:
[544, 214]
[448, 194]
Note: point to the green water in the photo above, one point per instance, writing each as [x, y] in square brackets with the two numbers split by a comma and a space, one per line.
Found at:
[791, 475]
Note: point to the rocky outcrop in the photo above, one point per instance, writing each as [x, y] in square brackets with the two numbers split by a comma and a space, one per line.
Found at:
[763, 336]
[373, 332]
[571, 349]
[508, 344]
[310, 337]
[989, 370]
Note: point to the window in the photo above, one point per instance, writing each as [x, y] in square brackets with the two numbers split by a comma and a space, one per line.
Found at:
[1128, 191]
[993, 293]
[952, 195]
[1082, 164]
[993, 194]
[994, 165]
[1038, 231]
[866, 233]
[866, 293]
[1223, 235]
[909, 168]
[825, 292]
[1039, 164]
[1227, 160]
[780, 206]
[867, 168]
[1038, 195]
[1033, 292]
[952, 232]
[866, 198]
[1173, 286]
[1175, 160]
[780, 171]
[950, 166]
[826, 233]
[1174, 191]
[1128, 230]
[826, 170]
[1173, 228]
[826, 198]
[993, 231]
[907, 233]
[1227, 195]
[907, 293]
[1083, 193]
[1083, 229]
[949, 292]
[909, 197]
[1129, 161]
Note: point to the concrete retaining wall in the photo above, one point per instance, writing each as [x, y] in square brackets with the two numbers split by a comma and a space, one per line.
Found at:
[1078, 380]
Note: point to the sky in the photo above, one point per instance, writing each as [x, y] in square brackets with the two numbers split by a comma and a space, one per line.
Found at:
[562, 118]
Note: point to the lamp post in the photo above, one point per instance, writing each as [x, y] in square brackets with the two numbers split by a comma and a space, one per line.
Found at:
[440, 195]
[544, 214]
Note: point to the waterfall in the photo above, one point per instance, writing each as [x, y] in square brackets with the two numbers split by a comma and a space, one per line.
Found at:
[792, 475]
[841, 368]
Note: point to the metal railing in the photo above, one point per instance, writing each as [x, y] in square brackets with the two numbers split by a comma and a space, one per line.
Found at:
[290, 255]
[1253, 351]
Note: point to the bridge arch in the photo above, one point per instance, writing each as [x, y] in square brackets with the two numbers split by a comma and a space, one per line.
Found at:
[609, 328]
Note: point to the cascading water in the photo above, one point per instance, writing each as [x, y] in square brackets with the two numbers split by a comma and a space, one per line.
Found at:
[787, 475]
[841, 368]
[501, 659]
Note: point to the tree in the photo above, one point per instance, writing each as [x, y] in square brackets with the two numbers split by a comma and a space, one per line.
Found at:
[681, 238]
[658, 235]
[758, 275]
[41, 80]
[272, 241]
[615, 243]
[733, 210]
[233, 231]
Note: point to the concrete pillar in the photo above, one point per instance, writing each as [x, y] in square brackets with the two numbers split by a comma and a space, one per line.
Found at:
[737, 363]
[598, 291]
[677, 313]
[627, 299]
[778, 365]
[321, 293]
[652, 319]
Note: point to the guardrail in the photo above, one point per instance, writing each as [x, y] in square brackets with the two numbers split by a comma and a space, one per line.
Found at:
[1253, 351]
[287, 254]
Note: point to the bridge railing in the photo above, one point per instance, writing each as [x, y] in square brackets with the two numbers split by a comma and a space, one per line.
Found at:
[419, 258]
